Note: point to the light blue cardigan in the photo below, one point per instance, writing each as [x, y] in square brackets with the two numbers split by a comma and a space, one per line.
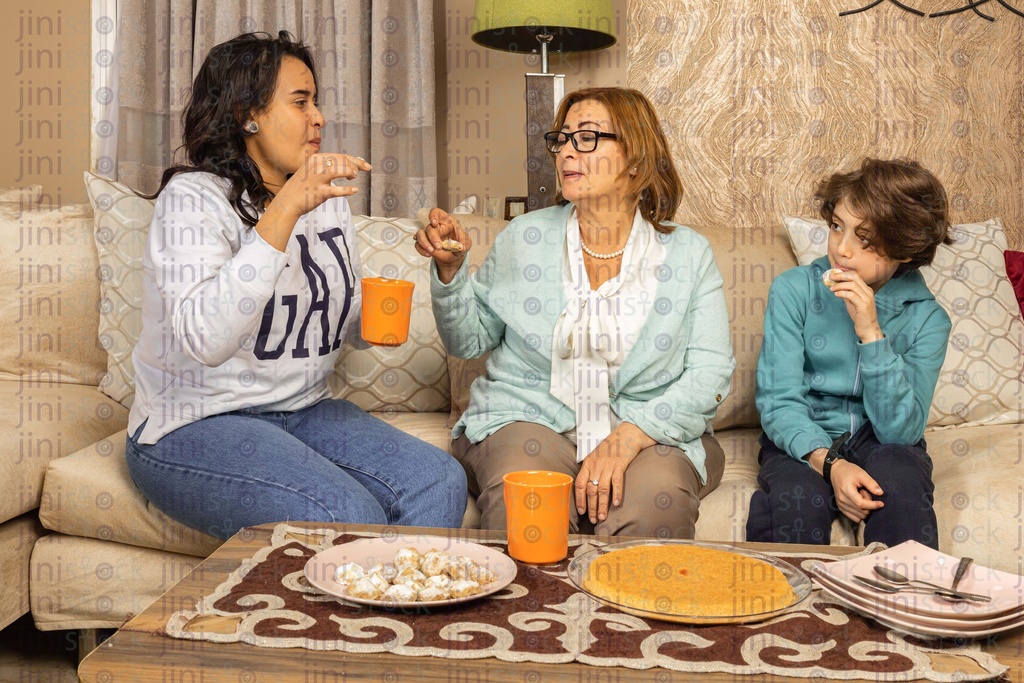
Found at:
[670, 384]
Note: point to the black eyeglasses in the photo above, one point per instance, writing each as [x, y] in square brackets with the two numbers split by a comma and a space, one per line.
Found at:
[582, 140]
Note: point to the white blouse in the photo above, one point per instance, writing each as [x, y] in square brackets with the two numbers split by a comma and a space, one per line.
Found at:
[597, 329]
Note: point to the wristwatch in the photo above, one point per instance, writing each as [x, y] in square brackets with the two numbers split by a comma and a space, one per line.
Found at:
[834, 453]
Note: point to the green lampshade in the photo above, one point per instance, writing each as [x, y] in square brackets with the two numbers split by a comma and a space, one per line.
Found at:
[576, 25]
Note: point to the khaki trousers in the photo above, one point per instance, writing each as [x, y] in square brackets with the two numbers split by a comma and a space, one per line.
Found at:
[662, 490]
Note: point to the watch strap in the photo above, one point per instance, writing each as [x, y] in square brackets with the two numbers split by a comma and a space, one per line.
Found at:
[835, 452]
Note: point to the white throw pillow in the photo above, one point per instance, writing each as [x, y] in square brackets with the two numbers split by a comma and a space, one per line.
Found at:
[980, 381]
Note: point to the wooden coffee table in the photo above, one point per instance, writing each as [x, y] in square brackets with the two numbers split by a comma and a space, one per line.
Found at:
[134, 653]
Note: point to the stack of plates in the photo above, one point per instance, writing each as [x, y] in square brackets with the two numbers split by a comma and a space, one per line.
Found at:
[924, 613]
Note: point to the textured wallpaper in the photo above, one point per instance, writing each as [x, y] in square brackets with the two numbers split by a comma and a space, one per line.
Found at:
[760, 98]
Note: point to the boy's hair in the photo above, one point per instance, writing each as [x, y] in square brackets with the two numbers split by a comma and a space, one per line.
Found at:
[903, 203]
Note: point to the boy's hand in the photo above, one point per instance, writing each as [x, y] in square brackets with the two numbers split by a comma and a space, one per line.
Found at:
[853, 489]
[860, 304]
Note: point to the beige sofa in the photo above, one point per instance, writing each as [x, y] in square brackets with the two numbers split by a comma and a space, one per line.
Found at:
[110, 553]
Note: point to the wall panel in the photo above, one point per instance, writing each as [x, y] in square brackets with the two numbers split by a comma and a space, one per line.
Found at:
[760, 98]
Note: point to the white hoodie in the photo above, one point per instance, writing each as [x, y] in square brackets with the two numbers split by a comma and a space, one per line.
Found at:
[229, 322]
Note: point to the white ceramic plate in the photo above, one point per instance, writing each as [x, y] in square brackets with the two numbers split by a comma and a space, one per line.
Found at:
[916, 624]
[798, 581]
[875, 608]
[918, 561]
[882, 603]
[367, 552]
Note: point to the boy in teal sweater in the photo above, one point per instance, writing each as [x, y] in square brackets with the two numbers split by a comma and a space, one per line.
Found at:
[851, 354]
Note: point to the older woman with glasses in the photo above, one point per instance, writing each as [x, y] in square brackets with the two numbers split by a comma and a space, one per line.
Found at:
[607, 329]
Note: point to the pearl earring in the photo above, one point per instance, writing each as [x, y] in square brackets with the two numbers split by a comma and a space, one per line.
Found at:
[251, 128]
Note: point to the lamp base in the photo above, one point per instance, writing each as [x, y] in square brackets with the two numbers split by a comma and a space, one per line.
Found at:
[543, 93]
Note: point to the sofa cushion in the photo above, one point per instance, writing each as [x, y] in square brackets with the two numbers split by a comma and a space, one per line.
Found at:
[748, 259]
[980, 381]
[91, 494]
[14, 200]
[42, 422]
[17, 536]
[482, 231]
[86, 583]
[977, 475]
[48, 316]
[414, 376]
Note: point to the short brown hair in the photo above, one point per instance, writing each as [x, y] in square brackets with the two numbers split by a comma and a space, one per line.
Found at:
[656, 186]
[902, 202]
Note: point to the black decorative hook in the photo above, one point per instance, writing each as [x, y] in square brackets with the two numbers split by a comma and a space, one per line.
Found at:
[878, 2]
[974, 6]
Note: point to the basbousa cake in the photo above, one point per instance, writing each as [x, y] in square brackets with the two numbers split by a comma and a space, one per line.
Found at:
[688, 580]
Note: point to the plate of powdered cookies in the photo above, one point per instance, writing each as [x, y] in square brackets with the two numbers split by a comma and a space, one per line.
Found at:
[689, 581]
[410, 572]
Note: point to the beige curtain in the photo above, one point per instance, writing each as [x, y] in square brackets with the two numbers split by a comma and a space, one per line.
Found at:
[376, 76]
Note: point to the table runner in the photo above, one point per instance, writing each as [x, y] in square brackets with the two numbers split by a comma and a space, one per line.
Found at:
[542, 617]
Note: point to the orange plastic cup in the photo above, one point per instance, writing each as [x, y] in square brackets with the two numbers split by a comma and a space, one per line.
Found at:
[387, 307]
[537, 515]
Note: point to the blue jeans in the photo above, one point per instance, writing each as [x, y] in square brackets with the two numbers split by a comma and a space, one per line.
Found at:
[330, 462]
[796, 505]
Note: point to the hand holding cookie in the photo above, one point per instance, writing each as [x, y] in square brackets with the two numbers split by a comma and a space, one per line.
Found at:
[860, 302]
[444, 240]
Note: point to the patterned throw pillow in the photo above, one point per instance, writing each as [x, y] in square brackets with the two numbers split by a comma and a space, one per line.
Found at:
[980, 380]
[482, 230]
[413, 377]
[121, 226]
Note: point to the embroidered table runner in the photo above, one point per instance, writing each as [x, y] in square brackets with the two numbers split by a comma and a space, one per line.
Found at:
[543, 617]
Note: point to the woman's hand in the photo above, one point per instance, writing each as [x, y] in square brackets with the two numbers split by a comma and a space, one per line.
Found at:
[860, 304]
[607, 465]
[853, 489]
[428, 240]
[306, 189]
[310, 186]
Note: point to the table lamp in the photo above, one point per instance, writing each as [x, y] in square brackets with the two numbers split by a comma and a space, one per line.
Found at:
[543, 26]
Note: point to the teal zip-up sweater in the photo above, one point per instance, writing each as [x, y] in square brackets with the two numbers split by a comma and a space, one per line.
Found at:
[670, 384]
[815, 380]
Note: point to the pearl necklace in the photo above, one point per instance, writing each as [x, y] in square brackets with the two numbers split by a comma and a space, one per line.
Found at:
[601, 256]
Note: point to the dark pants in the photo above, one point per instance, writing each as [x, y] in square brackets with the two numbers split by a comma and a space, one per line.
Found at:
[796, 505]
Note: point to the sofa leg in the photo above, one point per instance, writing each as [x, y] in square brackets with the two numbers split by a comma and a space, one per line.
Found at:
[87, 642]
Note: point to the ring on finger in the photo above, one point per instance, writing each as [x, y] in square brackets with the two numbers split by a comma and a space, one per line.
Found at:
[595, 482]
[329, 163]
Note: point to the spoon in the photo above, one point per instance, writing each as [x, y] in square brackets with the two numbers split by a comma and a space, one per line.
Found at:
[961, 571]
[896, 577]
[887, 588]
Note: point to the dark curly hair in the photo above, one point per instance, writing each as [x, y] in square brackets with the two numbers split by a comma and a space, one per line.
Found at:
[902, 202]
[237, 79]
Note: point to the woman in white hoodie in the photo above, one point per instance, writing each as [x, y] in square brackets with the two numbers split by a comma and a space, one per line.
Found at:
[252, 284]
